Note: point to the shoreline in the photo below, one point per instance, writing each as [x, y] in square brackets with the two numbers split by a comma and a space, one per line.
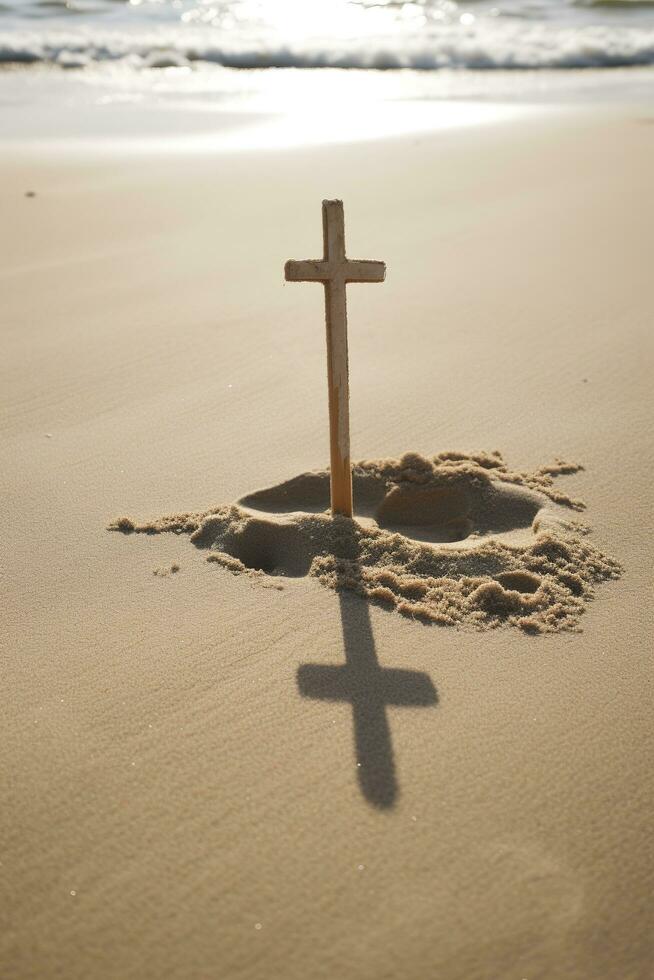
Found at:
[235, 110]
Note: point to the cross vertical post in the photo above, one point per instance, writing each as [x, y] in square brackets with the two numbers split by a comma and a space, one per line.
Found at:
[334, 271]
[338, 372]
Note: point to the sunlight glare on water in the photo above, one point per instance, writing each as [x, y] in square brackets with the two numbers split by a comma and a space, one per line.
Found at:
[297, 19]
[347, 122]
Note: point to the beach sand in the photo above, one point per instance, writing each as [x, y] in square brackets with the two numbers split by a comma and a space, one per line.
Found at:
[180, 799]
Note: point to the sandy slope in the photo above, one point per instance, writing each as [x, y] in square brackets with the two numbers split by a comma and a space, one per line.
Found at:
[171, 806]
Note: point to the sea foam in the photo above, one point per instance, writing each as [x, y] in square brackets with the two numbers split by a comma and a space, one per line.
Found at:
[485, 45]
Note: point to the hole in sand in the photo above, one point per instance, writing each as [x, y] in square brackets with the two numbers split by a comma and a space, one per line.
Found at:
[430, 513]
[448, 512]
[287, 530]
[519, 581]
[271, 549]
[308, 492]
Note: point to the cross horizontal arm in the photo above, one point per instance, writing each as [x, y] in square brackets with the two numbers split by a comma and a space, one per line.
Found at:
[363, 270]
[317, 270]
[307, 270]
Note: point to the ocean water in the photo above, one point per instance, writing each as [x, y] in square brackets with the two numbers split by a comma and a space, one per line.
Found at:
[243, 74]
[425, 35]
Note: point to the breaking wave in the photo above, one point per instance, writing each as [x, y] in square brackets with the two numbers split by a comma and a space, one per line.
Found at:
[422, 35]
[503, 46]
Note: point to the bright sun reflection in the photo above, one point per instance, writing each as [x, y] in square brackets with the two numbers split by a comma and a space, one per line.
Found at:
[291, 108]
[295, 20]
[341, 124]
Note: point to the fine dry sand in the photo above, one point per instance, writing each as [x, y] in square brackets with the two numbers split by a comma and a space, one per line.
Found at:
[202, 775]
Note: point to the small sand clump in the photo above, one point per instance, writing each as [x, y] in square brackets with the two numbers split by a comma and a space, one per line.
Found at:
[123, 524]
[470, 572]
[166, 570]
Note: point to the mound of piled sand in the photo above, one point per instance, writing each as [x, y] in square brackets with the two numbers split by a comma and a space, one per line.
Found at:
[456, 539]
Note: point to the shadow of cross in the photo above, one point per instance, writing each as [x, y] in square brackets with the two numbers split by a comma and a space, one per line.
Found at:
[369, 688]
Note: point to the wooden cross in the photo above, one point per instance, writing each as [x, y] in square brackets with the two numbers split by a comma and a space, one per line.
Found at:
[334, 271]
